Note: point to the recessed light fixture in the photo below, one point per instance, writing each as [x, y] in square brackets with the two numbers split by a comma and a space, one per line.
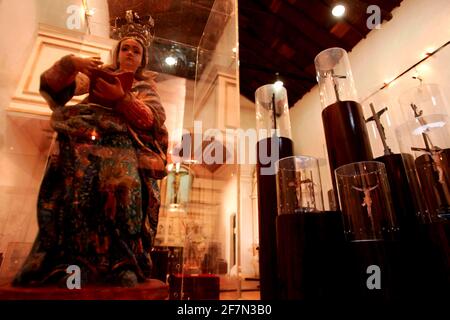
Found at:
[170, 61]
[338, 10]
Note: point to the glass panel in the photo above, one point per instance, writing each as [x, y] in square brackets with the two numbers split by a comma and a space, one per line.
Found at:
[199, 216]
[212, 251]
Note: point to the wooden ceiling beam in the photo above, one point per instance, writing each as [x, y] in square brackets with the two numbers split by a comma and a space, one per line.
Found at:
[278, 41]
[259, 50]
[289, 36]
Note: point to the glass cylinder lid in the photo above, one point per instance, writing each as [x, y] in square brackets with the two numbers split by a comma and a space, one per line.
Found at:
[334, 76]
[272, 111]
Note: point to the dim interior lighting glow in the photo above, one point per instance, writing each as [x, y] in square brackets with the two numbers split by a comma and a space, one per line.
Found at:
[338, 10]
[433, 101]
[234, 50]
[389, 83]
[374, 131]
[278, 85]
[388, 119]
[423, 69]
[94, 135]
[174, 207]
[429, 50]
[90, 12]
[171, 61]
[85, 11]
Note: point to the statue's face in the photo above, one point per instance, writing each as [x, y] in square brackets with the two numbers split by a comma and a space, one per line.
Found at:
[130, 55]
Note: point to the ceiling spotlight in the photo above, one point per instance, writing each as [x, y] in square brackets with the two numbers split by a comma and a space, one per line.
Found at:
[338, 10]
[170, 61]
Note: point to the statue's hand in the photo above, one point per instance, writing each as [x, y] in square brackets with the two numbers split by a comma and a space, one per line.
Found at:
[85, 65]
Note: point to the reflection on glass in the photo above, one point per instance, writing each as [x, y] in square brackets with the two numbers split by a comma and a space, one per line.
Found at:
[272, 111]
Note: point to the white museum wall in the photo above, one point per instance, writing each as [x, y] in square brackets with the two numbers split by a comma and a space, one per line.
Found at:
[416, 26]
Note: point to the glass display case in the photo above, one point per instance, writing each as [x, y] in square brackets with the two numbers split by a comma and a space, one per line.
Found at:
[426, 136]
[412, 111]
[197, 250]
[342, 115]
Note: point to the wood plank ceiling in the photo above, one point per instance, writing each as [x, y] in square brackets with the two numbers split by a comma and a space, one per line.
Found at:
[284, 36]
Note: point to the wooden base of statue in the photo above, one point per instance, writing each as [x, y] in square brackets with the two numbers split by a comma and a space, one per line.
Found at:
[150, 290]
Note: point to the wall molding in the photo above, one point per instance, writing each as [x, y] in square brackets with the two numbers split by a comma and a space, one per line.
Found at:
[51, 44]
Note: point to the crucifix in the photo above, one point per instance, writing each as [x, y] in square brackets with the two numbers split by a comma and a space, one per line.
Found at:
[176, 184]
[434, 151]
[309, 186]
[436, 156]
[274, 107]
[376, 116]
[367, 201]
[334, 78]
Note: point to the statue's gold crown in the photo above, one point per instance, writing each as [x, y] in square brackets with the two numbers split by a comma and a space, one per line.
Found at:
[133, 26]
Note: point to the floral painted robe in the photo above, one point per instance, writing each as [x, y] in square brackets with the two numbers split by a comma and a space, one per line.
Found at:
[99, 200]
